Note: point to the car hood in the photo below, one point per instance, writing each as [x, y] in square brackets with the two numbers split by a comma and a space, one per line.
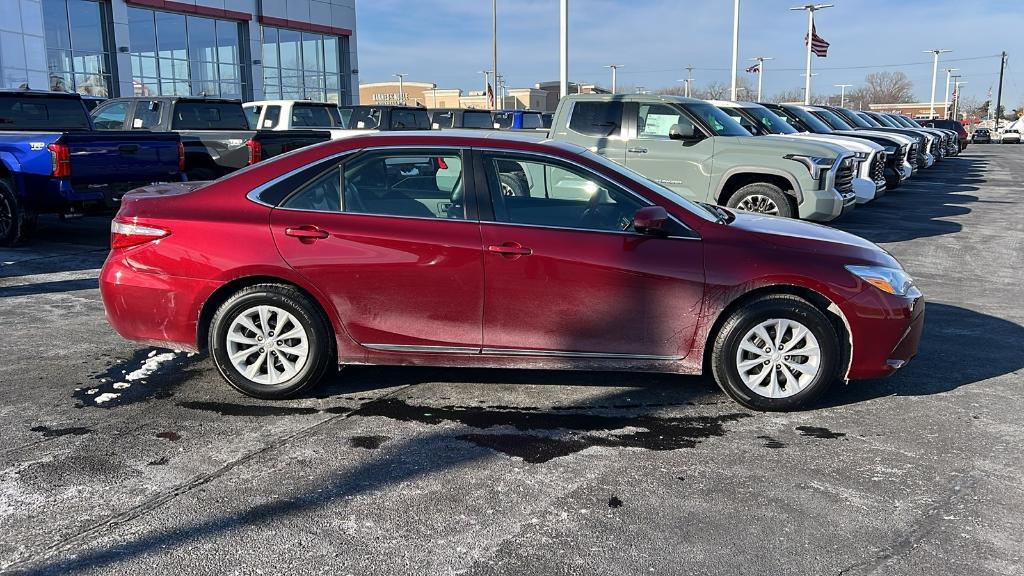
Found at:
[786, 145]
[816, 239]
[848, 142]
[903, 139]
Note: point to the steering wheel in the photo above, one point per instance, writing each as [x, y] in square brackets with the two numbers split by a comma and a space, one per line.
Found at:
[593, 210]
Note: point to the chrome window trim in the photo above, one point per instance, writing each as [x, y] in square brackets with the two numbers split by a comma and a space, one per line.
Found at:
[643, 200]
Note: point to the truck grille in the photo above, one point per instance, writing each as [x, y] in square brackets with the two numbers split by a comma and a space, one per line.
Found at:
[844, 177]
[898, 158]
[877, 168]
[913, 155]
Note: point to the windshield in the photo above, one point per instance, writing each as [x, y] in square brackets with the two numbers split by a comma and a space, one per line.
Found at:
[770, 121]
[315, 115]
[812, 121]
[40, 113]
[662, 191]
[832, 119]
[720, 122]
[869, 120]
[899, 120]
[209, 116]
[912, 123]
[851, 117]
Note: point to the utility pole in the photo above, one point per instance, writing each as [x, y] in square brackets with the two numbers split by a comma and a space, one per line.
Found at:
[735, 43]
[563, 52]
[494, 47]
[614, 68]
[760, 72]
[999, 96]
[811, 9]
[842, 93]
[689, 79]
[946, 99]
[401, 88]
[935, 73]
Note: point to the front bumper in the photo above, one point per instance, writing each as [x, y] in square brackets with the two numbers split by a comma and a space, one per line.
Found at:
[866, 190]
[886, 331]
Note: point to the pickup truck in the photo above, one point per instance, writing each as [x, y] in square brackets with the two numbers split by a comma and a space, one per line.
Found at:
[920, 156]
[52, 161]
[280, 115]
[518, 120]
[468, 118]
[385, 118]
[214, 132]
[699, 152]
[869, 157]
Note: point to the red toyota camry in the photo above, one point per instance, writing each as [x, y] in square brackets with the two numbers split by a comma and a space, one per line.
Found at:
[467, 250]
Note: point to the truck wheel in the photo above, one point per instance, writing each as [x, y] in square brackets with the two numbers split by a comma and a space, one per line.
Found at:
[778, 352]
[15, 223]
[270, 341]
[512, 185]
[763, 198]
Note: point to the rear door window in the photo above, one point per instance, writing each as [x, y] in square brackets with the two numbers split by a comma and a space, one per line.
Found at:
[147, 115]
[481, 119]
[654, 121]
[271, 117]
[601, 119]
[252, 115]
[111, 116]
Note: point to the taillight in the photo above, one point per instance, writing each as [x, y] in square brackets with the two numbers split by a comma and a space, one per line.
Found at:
[60, 157]
[181, 157]
[127, 234]
[441, 164]
[255, 150]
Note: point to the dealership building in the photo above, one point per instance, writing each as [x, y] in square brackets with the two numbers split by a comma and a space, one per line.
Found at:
[246, 49]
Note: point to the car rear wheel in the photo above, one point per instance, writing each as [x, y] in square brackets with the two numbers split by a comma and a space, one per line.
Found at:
[763, 198]
[15, 223]
[778, 352]
[270, 341]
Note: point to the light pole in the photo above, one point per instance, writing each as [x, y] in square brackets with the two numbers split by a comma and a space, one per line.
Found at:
[494, 47]
[842, 93]
[735, 43]
[614, 68]
[956, 95]
[811, 9]
[760, 72]
[401, 88]
[946, 99]
[689, 79]
[563, 51]
[935, 74]
[686, 86]
[487, 78]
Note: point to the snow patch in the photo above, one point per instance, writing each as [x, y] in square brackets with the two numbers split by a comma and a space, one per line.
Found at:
[105, 397]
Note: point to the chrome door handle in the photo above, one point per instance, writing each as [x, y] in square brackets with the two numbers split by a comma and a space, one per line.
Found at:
[637, 150]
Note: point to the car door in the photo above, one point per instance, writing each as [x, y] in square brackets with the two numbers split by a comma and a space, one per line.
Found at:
[684, 166]
[596, 125]
[400, 259]
[565, 274]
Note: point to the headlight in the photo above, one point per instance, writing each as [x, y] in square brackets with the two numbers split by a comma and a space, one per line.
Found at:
[816, 165]
[892, 280]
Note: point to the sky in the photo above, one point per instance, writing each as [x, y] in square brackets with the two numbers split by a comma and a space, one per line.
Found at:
[448, 42]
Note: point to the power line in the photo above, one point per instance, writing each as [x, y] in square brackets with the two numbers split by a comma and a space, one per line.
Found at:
[859, 67]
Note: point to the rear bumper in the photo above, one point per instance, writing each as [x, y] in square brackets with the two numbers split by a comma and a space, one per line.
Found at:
[151, 308]
[886, 332]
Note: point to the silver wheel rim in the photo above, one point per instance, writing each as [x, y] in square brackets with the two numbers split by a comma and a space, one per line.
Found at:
[506, 190]
[760, 204]
[267, 345]
[778, 358]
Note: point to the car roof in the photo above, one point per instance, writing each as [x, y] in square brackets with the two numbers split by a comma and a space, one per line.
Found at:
[668, 98]
[31, 92]
[459, 137]
[283, 102]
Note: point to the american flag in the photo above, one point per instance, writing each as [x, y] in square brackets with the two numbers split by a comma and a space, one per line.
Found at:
[818, 44]
[490, 96]
[755, 69]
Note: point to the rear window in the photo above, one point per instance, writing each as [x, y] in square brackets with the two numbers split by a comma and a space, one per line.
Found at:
[209, 116]
[596, 118]
[315, 116]
[409, 120]
[532, 121]
[476, 120]
[37, 113]
[504, 120]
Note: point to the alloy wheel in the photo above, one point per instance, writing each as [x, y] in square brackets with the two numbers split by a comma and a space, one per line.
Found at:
[760, 204]
[6, 216]
[778, 358]
[267, 345]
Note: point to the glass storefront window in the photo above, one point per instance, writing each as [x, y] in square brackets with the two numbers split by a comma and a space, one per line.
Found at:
[301, 65]
[184, 55]
[77, 55]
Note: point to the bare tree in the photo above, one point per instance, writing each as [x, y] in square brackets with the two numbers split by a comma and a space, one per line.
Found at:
[883, 88]
[714, 90]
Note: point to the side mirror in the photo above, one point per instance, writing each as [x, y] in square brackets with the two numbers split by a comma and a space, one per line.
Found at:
[682, 132]
[650, 220]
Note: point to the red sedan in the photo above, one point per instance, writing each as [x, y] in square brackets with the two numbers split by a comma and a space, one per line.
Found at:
[468, 250]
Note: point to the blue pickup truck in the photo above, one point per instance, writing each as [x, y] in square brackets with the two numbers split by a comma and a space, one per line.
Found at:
[52, 161]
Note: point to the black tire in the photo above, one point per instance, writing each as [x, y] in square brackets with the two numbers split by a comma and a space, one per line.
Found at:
[780, 306]
[755, 192]
[15, 223]
[308, 314]
[513, 185]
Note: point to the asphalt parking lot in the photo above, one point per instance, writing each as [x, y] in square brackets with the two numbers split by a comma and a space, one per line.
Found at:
[120, 459]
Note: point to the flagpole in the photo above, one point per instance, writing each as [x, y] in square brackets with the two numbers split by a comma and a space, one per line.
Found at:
[760, 72]
[494, 49]
[735, 43]
[810, 8]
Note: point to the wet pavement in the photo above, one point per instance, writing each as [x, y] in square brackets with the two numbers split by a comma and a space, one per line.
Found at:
[123, 459]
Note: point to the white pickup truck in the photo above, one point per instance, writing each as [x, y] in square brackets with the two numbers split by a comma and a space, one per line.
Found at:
[297, 114]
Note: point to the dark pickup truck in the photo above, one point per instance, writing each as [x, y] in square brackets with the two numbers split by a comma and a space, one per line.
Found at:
[214, 132]
[52, 161]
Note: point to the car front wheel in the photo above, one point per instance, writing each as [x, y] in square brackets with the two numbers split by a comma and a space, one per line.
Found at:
[762, 198]
[270, 341]
[777, 352]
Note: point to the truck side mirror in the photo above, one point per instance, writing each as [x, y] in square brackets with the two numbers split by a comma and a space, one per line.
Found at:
[682, 132]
